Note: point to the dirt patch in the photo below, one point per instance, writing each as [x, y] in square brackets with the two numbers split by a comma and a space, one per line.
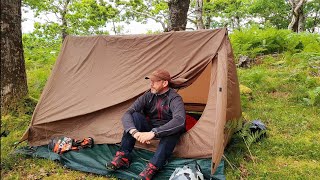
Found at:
[277, 94]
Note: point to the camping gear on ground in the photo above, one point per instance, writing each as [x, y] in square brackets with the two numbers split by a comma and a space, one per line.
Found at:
[257, 126]
[190, 122]
[96, 78]
[64, 144]
[191, 171]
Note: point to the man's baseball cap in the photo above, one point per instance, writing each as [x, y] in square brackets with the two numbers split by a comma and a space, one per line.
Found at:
[159, 74]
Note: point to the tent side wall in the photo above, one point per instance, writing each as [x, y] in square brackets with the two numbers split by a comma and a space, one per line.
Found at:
[234, 112]
[228, 102]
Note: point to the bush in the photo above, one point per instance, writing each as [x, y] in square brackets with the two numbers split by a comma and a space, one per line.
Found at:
[37, 78]
[39, 51]
[313, 97]
[40, 55]
[255, 41]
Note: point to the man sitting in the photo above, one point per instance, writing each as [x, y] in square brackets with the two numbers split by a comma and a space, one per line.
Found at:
[158, 113]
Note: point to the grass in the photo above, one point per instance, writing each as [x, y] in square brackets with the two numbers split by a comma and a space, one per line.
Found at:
[291, 149]
[278, 86]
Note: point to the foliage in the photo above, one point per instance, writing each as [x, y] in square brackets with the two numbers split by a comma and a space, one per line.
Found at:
[312, 11]
[313, 96]
[90, 16]
[255, 41]
[15, 124]
[275, 13]
[39, 50]
[236, 14]
[40, 55]
[101, 16]
[280, 85]
[74, 17]
[142, 10]
[244, 90]
[230, 12]
[250, 137]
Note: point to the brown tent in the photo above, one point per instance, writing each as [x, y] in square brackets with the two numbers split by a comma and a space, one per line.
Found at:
[96, 78]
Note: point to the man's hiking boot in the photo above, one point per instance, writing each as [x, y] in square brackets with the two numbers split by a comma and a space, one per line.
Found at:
[118, 162]
[148, 172]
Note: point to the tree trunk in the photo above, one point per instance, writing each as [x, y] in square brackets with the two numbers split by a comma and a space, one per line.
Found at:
[298, 18]
[208, 21]
[315, 22]
[64, 21]
[178, 10]
[13, 73]
[198, 12]
[237, 22]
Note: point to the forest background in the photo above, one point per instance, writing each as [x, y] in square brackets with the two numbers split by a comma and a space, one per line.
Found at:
[277, 49]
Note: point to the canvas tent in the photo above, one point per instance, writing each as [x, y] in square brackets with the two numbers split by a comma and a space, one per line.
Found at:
[95, 79]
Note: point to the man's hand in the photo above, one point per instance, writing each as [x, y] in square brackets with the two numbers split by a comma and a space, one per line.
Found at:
[144, 137]
[136, 135]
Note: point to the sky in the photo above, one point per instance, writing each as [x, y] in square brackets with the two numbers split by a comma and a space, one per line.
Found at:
[28, 21]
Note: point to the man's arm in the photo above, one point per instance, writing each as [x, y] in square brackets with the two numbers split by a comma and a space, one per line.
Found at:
[127, 120]
[177, 123]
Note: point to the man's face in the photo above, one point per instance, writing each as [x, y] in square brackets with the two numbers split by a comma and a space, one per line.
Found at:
[157, 87]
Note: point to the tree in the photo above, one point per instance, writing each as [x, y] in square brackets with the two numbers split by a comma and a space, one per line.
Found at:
[75, 17]
[13, 74]
[312, 12]
[178, 10]
[298, 18]
[142, 10]
[199, 14]
[275, 13]
[172, 15]
[231, 13]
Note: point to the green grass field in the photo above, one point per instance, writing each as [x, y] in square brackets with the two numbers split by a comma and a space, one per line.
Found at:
[283, 91]
[281, 88]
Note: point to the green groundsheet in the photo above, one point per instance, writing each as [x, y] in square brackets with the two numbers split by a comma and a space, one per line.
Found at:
[93, 160]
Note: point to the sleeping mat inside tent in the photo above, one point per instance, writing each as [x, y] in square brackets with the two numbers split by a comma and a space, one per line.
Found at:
[93, 160]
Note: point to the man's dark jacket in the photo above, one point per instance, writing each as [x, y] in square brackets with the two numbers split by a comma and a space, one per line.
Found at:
[165, 112]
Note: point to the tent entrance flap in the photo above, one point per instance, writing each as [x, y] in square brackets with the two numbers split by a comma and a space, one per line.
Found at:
[197, 92]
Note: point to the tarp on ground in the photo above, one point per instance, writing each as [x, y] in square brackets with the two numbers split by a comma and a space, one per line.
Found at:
[93, 160]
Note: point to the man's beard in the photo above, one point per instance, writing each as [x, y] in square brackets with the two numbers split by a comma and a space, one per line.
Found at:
[154, 91]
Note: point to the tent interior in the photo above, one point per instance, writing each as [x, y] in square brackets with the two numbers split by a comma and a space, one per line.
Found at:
[195, 96]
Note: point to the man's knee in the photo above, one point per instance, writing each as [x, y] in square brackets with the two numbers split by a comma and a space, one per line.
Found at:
[136, 116]
[169, 142]
[139, 121]
[172, 138]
